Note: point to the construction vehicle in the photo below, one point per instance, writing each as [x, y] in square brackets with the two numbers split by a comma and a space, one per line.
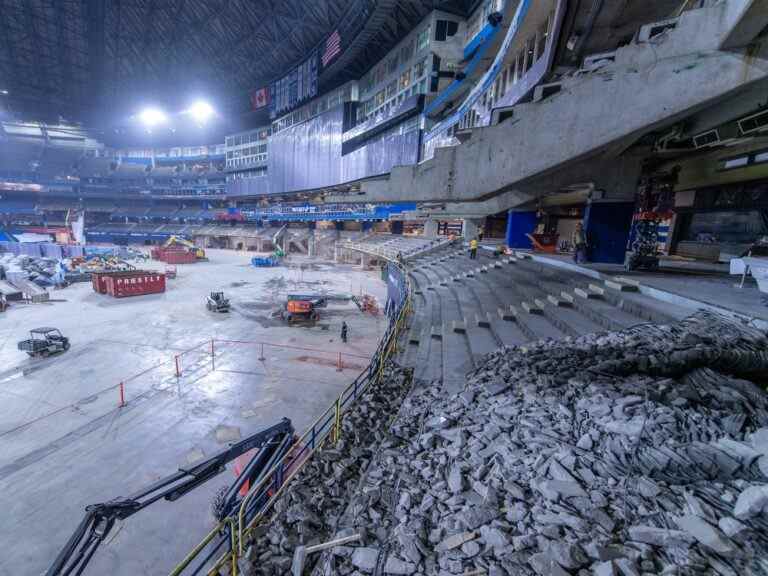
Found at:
[44, 342]
[270, 261]
[217, 303]
[302, 308]
[176, 241]
[267, 446]
[367, 304]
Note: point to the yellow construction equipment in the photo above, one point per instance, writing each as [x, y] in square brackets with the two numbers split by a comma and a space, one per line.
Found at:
[176, 241]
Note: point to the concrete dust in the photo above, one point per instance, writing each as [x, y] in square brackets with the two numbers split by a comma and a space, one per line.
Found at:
[346, 364]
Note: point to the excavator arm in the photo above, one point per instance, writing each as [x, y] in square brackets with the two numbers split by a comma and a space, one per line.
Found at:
[100, 518]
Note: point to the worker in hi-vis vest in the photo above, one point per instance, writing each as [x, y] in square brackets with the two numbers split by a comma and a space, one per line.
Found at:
[473, 248]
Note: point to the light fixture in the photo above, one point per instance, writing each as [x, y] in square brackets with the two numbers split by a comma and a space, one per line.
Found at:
[201, 111]
[151, 117]
[4, 92]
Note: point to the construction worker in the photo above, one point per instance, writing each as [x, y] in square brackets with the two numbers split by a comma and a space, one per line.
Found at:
[579, 240]
[473, 249]
[344, 332]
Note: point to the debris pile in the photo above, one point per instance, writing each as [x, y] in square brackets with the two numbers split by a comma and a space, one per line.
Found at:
[631, 453]
[320, 493]
[40, 270]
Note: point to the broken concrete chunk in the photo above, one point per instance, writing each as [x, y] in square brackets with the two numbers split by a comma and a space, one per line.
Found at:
[604, 569]
[556, 489]
[472, 517]
[365, 559]
[470, 549]
[396, 566]
[456, 540]
[751, 502]
[456, 479]
[730, 526]
[658, 536]
[544, 565]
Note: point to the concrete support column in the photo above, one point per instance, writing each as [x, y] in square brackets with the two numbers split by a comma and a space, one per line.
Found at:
[311, 243]
[430, 227]
[396, 227]
[608, 225]
[470, 228]
[520, 223]
[366, 225]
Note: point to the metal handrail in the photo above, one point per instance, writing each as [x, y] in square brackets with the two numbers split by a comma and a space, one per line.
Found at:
[279, 476]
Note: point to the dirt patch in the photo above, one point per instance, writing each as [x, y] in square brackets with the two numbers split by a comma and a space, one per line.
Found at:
[345, 363]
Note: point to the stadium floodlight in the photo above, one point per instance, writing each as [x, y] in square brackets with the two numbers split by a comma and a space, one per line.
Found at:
[151, 117]
[201, 111]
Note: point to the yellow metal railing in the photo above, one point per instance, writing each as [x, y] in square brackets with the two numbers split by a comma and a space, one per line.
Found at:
[262, 496]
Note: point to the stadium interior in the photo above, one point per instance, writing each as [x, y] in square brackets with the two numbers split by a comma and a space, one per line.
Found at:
[384, 287]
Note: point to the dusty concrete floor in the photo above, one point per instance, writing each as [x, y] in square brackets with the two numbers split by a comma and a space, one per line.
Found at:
[89, 451]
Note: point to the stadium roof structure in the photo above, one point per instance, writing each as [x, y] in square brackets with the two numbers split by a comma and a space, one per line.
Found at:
[78, 58]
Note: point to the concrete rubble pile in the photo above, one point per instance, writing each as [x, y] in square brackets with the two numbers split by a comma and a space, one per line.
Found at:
[23, 267]
[317, 497]
[618, 454]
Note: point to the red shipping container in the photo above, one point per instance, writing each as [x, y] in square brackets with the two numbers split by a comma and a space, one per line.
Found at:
[99, 280]
[135, 284]
[179, 257]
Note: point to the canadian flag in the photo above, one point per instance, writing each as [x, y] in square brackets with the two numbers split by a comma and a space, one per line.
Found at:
[259, 98]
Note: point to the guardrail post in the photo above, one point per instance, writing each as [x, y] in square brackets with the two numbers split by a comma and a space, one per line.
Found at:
[261, 357]
[213, 356]
[339, 366]
[122, 395]
[337, 424]
[178, 368]
[233, 544]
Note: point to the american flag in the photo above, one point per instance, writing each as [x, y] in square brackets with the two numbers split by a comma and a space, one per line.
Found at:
[332, 48]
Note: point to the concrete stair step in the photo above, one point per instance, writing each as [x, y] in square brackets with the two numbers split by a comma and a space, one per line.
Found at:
[560, 302]
[457, 361]
[483, 320]
[597, 289]
[508, 313]
[621, 286]
[625, 280]
[586, 294]
[567, 297]
[531, 307]
[481, 342]
[509, 333]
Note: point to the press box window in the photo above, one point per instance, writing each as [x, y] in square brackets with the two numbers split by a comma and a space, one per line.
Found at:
[445, 29]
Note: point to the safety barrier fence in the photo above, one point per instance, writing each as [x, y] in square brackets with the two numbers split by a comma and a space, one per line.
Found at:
[183, 367]
[227, 542]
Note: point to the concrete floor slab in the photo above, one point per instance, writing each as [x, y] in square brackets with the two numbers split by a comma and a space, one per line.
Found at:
[90, 450]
